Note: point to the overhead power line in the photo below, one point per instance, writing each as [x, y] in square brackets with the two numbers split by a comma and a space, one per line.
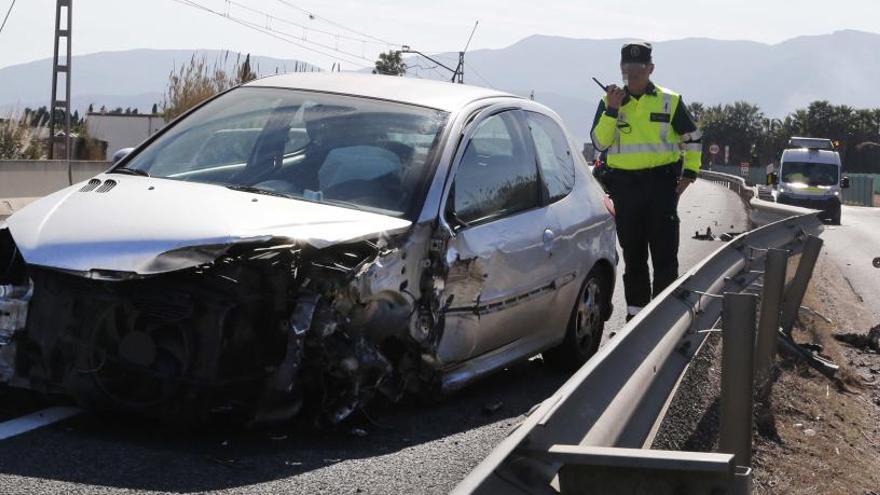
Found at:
[7, 16]
[314, 16]
[308, 28]
[268, 31]
[269, 16]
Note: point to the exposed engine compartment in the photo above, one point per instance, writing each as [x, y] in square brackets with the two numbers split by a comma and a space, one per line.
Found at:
[261, 332]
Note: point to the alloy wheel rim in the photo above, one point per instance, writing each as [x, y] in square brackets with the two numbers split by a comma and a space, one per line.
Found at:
[588, 315]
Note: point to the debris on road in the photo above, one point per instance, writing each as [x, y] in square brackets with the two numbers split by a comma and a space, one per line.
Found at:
[229, 463]
[708, 236]
[871, 340]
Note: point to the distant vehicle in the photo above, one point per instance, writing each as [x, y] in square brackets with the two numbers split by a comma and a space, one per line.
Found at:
[312, 239]
[810, 175]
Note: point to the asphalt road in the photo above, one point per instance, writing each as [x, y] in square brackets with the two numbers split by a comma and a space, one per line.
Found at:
[853, 246]
[410, 448]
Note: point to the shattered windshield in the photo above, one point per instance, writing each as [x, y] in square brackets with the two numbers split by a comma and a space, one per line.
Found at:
[342, 150]
[811, 174]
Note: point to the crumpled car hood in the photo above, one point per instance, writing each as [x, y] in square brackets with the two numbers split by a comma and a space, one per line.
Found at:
[140, 220]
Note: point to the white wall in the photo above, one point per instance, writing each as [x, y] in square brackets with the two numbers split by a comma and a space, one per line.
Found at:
[122, 131]
[22, 181]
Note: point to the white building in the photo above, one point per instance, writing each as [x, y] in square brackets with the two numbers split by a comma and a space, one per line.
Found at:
[122, 131]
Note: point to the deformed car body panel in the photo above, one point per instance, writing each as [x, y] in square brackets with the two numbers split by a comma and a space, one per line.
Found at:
[127, 228]
[348, 303]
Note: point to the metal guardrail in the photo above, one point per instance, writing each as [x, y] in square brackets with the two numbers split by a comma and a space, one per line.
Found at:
[755, 175]
[761, 212]
[861, 191]
[591, 435]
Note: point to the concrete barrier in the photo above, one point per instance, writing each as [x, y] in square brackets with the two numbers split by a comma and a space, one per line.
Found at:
[22, 181]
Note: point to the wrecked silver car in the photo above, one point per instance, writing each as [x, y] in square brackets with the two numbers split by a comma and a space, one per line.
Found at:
[311, 240]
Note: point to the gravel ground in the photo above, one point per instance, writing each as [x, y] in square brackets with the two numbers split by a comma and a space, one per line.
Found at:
[419, 448]
[693, 417]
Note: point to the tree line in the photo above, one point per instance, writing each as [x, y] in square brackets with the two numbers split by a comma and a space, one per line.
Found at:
[753, 137]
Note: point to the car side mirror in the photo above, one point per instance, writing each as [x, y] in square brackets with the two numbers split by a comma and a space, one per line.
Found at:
[772, 179]
[844, 182]
[120, 154]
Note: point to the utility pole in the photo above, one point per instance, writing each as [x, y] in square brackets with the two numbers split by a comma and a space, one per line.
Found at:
[63, 12]
[458, 71]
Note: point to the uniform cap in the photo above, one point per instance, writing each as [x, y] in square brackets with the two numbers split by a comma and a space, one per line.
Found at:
[636, 52]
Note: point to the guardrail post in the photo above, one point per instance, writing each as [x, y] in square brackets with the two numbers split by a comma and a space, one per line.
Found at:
[794, 295]
[775, 267]
[738, 347]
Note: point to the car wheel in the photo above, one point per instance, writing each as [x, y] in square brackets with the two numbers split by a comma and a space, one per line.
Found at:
[585, 327]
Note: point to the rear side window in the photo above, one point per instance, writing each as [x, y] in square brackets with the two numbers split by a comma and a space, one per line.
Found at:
[497, 175]
[554, 155]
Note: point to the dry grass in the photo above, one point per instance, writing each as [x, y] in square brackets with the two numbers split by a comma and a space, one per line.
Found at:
[199, 80]
[824, 436]
[19, 141]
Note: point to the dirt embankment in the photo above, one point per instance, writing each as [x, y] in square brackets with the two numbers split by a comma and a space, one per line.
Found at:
[814, 434]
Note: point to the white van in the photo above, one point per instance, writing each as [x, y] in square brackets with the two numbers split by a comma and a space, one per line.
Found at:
[810, 175]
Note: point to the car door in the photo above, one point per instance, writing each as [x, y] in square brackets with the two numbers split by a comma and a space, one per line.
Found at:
[556, 165]
[500, 271]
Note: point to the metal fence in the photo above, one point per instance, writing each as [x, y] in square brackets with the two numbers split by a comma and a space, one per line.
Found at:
[876, 178]
[860, 191]
[591, 435]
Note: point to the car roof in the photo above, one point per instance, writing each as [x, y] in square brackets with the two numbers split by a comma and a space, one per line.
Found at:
[423, 92]
[811, 156]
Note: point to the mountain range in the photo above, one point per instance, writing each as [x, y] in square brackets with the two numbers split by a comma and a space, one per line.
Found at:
[842, 67]
[131, 78]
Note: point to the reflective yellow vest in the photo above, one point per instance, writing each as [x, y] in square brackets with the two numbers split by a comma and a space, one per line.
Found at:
[642, 135]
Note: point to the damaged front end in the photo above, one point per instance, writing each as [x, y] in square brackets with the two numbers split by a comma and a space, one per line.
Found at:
[16, 290]
[258, 333]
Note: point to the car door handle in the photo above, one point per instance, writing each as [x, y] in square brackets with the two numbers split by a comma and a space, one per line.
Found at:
[548, 239]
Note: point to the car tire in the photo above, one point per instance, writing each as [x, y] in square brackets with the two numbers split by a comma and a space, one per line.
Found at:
[585, 326]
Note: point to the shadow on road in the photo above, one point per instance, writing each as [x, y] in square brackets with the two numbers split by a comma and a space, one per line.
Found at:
[125, 453]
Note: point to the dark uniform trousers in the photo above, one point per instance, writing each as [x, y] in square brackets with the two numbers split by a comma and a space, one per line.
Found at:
[646, 207]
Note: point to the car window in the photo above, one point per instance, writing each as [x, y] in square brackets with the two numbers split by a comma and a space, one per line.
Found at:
[497, 175]
[350, 151]
[554, 155]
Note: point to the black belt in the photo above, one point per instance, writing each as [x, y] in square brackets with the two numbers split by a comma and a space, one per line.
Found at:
[673, 168]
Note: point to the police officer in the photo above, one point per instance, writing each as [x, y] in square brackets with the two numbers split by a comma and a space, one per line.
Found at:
[653, 154]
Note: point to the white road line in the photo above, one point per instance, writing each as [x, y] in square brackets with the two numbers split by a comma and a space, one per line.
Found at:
[35, 420]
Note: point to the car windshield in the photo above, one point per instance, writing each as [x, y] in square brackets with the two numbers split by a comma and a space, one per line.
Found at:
[344, 150]
[812, 174]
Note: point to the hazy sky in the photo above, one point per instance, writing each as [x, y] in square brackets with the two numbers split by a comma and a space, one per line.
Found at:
[354, 27]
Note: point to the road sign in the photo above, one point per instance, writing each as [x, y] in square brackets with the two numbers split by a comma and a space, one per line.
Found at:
[714, 149]
[744, 168]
